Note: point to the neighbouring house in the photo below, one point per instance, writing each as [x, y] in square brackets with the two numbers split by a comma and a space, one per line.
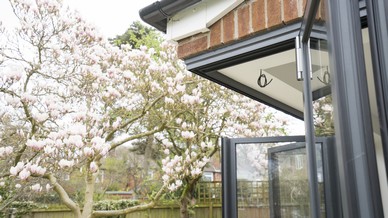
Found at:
[291, 55]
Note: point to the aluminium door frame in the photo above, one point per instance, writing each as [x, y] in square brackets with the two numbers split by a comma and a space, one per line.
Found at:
[229, 171]
[229, 168]
[378, 33]
[357, 167]
[273, 200]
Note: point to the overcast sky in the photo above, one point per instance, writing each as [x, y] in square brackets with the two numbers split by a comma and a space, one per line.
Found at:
[112, 17]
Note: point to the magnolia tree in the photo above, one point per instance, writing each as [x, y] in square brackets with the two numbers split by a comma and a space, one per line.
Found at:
[205, 113]
[70, 97]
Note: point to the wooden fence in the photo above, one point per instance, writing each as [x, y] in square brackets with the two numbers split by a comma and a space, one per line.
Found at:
[202, 211]
[253, 201]
[209, 211]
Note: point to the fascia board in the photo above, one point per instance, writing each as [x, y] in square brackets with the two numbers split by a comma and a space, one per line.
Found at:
[197, 18]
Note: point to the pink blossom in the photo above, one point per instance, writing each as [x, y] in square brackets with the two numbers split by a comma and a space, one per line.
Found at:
[48, 187]
[169, 100]
[28, 98]
[37, 187]
[34, 144]
[6, 151]
[89, 152]
[189, 99]
[206, 160]
[13, 101]
[117, 123]
[187, 134]
[179, 77]
[38, 170]
[75, 140]
[93, 167]
[167, 143]
[165, 177]
[195, 172]
[16, 169]
[180, 88]
[49, 150]
[40, 117]
[65, 163]
[172, 187]
[77, 129]
[128, 75]
[24, 174]
[178, 183]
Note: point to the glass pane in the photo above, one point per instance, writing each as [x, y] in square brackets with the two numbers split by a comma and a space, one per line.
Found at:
[322, 103]
[252, 180]
[321, 84]
[290, 181]
[375, 119]
[288, 174]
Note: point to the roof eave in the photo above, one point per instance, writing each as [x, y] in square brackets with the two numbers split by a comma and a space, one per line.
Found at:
[157, 13]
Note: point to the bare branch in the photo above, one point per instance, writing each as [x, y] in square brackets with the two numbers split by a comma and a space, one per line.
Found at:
[110, 135]
[143, 207]
[137, 136]
[63, 195]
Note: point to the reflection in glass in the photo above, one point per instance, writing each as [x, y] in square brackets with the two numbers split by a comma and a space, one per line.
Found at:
[291, 189]
[285, 170]
[252, 180]
[321, 81]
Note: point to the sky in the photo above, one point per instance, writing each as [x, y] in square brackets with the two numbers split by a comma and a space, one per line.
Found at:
[111, 17]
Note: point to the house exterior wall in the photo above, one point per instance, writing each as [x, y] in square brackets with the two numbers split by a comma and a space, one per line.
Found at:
[250, 18]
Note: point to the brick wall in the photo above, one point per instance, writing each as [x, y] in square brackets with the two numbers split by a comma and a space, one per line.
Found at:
[250, 18]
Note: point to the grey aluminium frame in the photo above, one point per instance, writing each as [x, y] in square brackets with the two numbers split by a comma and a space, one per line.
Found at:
[378, 34]
[229, 172]
[304, 40]
[358, 175]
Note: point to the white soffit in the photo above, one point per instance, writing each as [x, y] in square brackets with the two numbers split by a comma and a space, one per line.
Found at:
[197, 18]
[281, 69]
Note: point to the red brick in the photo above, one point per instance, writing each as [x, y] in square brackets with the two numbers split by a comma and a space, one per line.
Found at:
[290, 10]
[323, 10]
[228, 27]
[215, 34]
[304, 5]
[243, 21]
[274, 13]
[258, 15]
[195, 46]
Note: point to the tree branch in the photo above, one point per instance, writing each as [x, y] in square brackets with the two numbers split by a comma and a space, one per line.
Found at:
[149, 205]
[141, 135]
[63, 195]
[110, 135]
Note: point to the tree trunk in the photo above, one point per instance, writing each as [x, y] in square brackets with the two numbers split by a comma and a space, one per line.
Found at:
[187, 199]
[64, 196]
[147, 155]
[89, 192]
[184, 208]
